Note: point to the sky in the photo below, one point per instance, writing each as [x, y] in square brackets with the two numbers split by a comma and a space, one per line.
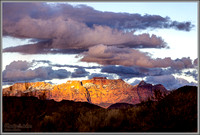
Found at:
[55, 42]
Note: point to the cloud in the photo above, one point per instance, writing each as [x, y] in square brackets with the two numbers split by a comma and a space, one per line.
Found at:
[79, 72]
[42, 47]
[41, 61]
[58, 34]
[18, 65]
[19, 71]
[129, 72]
[63, 28]
[122, 71]
[63, 65]
[135, 82]
[195, 62]
[82, 13]
[169, 81]
[112, 55]
[193, 73]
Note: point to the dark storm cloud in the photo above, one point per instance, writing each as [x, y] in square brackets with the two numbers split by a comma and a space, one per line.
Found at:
[169, 81]
[20, 71]
[79, 72]
[193, 73]
[63, 26]
[122, 71]
[64, 65]
[129, 72]
[75, 66]
[112, 55]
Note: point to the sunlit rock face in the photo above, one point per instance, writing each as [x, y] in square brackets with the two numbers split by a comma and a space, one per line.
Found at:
[105, 92]
[99, 91]
[37, 89]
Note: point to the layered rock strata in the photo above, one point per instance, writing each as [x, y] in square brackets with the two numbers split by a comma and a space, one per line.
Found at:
[99, 91]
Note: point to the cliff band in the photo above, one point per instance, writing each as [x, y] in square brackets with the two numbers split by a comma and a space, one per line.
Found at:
[99, 91]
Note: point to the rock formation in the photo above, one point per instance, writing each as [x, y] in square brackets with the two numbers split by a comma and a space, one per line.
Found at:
[99, 91]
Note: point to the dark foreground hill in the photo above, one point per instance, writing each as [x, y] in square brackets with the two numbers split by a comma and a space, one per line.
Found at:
[177, 112]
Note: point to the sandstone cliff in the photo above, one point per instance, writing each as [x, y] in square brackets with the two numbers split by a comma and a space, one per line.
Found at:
[99, 91]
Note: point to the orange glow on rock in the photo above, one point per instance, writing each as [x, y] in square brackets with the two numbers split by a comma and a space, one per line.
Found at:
[100, 91]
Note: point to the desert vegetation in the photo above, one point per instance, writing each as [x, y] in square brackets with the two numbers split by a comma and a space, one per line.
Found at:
[177, 112]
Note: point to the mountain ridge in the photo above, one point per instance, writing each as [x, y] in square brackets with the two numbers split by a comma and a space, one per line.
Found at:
[98, 90]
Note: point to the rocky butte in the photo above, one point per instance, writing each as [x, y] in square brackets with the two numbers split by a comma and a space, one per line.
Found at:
[99, 90]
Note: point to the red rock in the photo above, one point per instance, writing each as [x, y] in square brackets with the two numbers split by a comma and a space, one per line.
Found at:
[99, 91]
